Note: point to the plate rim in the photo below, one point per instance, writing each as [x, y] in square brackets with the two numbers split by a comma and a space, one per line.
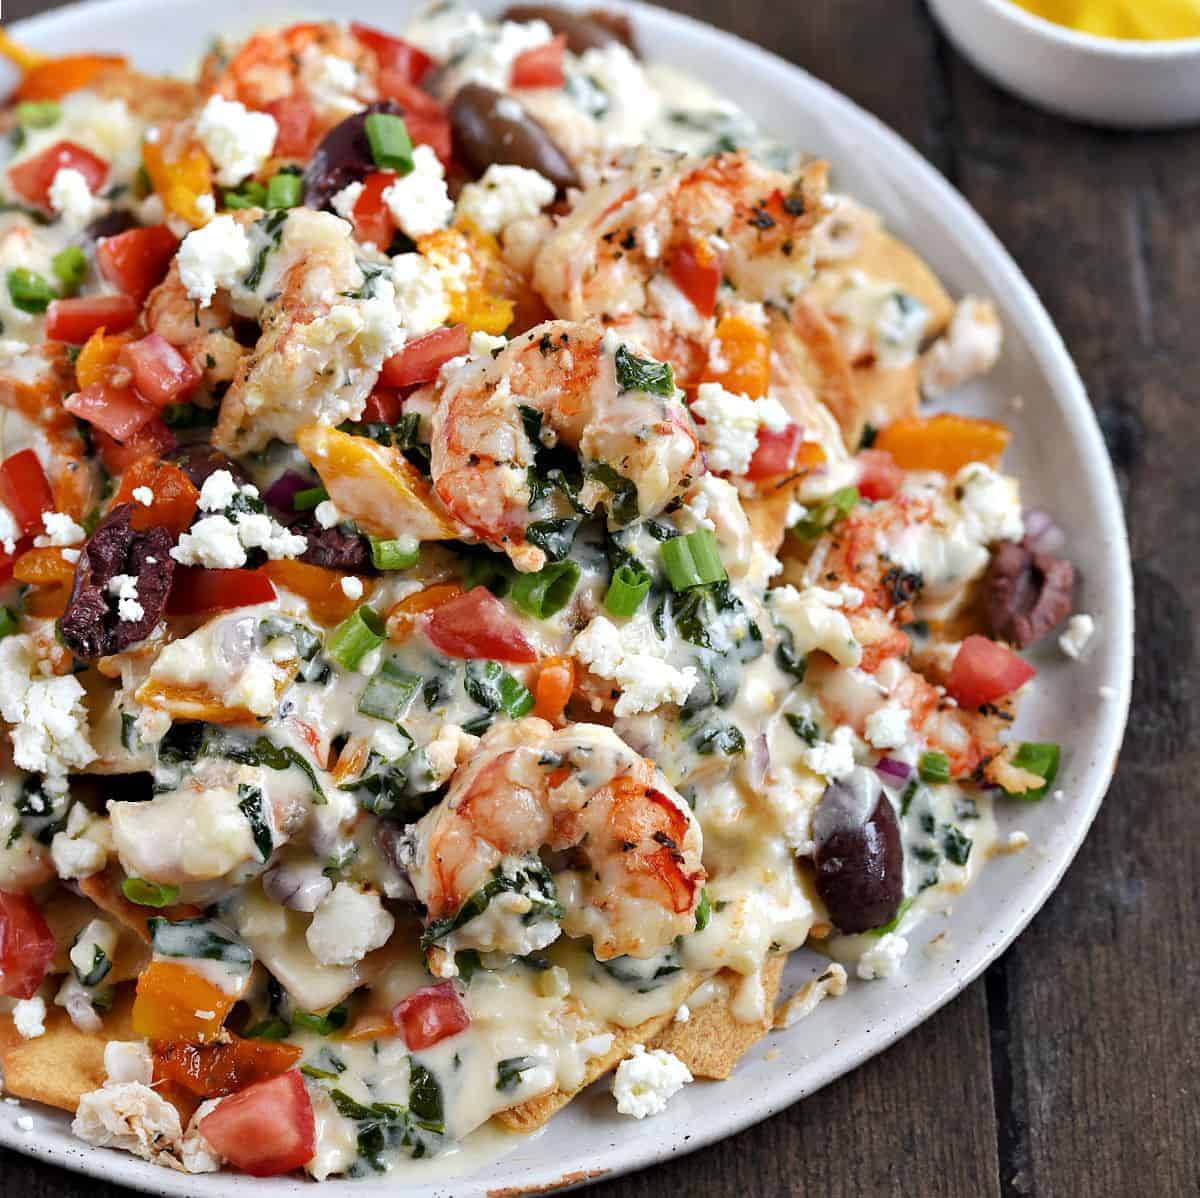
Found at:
[1054, 362]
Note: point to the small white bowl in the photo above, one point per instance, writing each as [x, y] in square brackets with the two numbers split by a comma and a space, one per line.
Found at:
[1100, 80]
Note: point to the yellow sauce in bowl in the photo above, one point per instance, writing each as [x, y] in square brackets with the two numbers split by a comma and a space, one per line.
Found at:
[1131, 20]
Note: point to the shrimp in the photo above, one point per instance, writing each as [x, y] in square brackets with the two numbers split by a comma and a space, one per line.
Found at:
[566, 375]
[634, 875]
[621, 245]
[204, 336]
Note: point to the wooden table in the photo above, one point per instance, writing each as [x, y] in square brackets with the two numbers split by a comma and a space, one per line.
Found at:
[1073, 1067]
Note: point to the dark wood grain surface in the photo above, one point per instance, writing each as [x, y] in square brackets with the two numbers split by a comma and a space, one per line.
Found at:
[1073, 1067]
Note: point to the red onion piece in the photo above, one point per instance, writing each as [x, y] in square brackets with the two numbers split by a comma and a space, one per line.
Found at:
[1042, 534]
[283, 490]
[300, 887]
[893, 770]
[760, 760]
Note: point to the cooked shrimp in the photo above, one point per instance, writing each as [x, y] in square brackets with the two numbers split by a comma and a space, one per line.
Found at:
[204, 336]
[615, 253]
[635, 874]
[566, 373]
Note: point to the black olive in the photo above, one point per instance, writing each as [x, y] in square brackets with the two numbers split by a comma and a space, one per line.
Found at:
[200, 459]
[860, 862]
[487, 131]
[119, 220]
[343, 156]
[585, 31]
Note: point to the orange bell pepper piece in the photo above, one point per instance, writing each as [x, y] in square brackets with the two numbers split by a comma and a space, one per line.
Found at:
[484, 300]
[403, 618]
[214, 1070]
[179, 181]
[370, 1025]
[321, 588]
[52, 574]
[745, 356]
[174, 1002]
[175, 495]
[22, 57]
[945, 442]
[99, 353]
[61, 76]
[552, 691]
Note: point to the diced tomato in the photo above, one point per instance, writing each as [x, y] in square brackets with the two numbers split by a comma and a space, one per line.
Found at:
[696, 271]
[420, 360]
[542, 66]
[265, 1129]
[372, 218]
[31, 179]
[116, 410]
[75, 320]
[137, 260]
[152, 438]
[26, 945]
[880, 477]
[985, 671]
[59, 77]
[161, 374]
[425, 119]
[213, 1070]
[476, 625]
[393, 54]
[196, 590]
[26, 490]
[429, 1015]
[294, 118]
[775, 453]
[384, 406]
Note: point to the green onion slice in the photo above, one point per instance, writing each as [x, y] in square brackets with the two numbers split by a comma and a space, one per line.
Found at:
[355, 637]
[391, 147]
[1037, 758]
[70, 267]
[934, 767]
[401, 554]
[389, 692]
[285, 190]
[546, 592]
[693, 560]
[826, 514]
[309, 498]
[630, 585]
[29, 291]
[148, 894]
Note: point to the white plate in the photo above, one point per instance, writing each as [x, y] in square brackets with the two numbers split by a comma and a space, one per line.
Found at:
[1060, 457]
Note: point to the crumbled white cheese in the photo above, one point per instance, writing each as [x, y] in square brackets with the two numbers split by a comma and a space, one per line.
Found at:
[237, 140]
[71, 197]
[970, 347]
[81, 848]
[29, 1017]
[1077, 635]
[143, 495]
[61, 529]
[218, 491]
[645, 680]
[504, 194]
[813, 619]
[834, 758]
[990, 502]
[220, 541]
[729, 433]
[421, 298]
[212, 542]
[124, 588]
[352, 587]
[418, 201]
[128, 1061]
[646, 1081]
[887, 727]
[218, 255]
[484, 344]
[10, 533]
[343, 203]
[486, 55]
[883, 958]
[347, 925]
[327, 514]
[257, 687]
[50, 722]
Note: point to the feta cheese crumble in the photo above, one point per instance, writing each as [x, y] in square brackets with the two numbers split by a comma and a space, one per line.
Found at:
[237, 140]
[71, 197]
[887, 728]
[125, 589]
[504, 194]
[883, 958]
[218, 255]
[143, 495]
[352, 587]
[61, 530]
[1077, 635]
[646, 1081]
[645, 679]
[29, 1017]
[220, 541]
[834, 758]
[347, 925]
[729, 433]
[418, 201]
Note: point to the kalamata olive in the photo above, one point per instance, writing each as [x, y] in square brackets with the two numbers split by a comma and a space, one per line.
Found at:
[334, 548]
[491, 127]
[1028, 594]
[119, 220]
[343, 156]
[200, 459]
[860, 861]
[584, 30]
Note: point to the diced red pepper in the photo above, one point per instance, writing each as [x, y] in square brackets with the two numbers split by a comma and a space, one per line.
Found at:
[477, 625]
[542, 66]
[196, 590]
[985, 671]
[116, 410]
[266, 1129]
[75, 320]
[775, 453]
[696, 271]
[153, 439]
[161, 374]
[392, 54]
[31, 179]
[372, 218]
[26, 945]
[880, 477]
[213, 1070]
[25, 490]
[295, 117]
[420, 360]
[137, 260]
[383, 406]
[429, 1015]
